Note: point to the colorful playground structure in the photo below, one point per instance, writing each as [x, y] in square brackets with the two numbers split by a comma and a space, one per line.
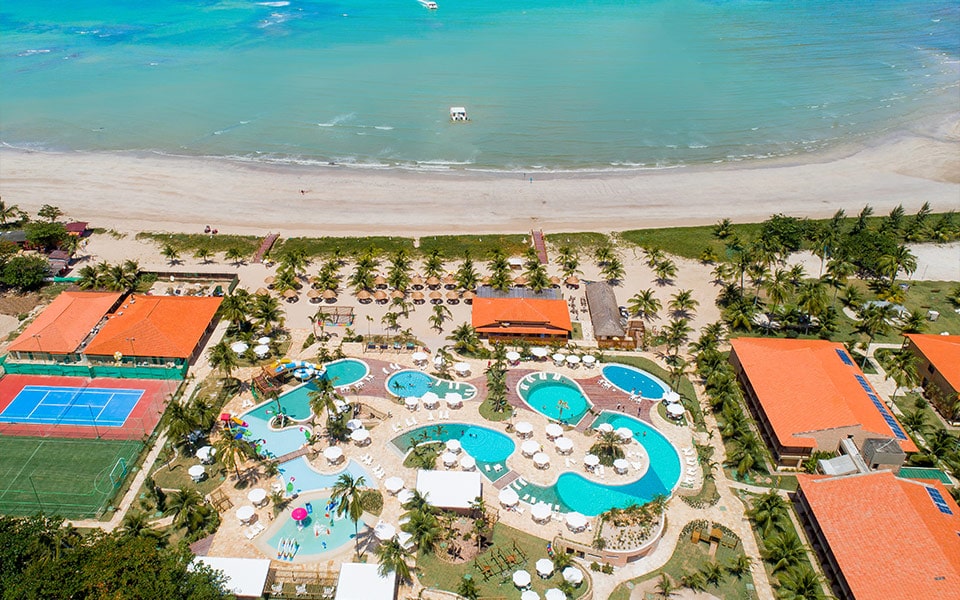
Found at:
[302, 369]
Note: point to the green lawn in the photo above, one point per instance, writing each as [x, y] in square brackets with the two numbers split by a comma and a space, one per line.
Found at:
[67, 477]
[346, 246]
[173, 475]
[690, 556]
[439, 574]
[479, 246]
[907, 403]
[187, 243]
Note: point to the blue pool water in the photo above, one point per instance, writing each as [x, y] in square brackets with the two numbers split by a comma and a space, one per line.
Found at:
[346, 371]
[273, 442]
[410, 383]
[305, 478]
[633, 380]
[574, 492]
[544, 396]
[322, 531]
[486, 446]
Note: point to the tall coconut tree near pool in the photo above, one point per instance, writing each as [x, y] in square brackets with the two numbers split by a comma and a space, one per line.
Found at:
[348, 492]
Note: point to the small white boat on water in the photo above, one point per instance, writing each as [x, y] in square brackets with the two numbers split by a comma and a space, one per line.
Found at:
[430, 4]
[458, 113]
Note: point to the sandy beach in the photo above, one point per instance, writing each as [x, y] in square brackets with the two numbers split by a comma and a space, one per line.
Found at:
[151, 192]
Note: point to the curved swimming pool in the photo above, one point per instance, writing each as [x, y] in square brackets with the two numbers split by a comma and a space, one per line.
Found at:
[414, 384]
[635, 381]
[346, 371]
[574, 492]
[554, 396]
[486, 446]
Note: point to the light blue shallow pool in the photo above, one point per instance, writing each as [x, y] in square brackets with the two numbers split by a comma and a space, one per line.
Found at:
[487, 446]
[635, 381]
[322, 531]
[346, 371]
[305, 478]
[414, 384]
[556, 396]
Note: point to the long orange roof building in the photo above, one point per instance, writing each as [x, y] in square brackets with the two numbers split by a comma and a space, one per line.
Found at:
[63, 325]
[156, 326]
[521, 317]
[885, 537]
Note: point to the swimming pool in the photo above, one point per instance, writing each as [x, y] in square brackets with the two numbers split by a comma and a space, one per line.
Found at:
[635, 381]
[322, 531]
[487, 446]
[544, 392]
[574, 492]
[346, 371]
[305, 478]
[269, 441]
[409, 383]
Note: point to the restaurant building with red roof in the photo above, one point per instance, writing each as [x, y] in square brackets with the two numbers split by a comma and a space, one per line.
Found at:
[512, 319]
[939, 365]
[880, 537]
[61, 330]
[808, 395]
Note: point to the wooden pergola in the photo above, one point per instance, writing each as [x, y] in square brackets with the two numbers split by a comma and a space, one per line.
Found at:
[266, 385]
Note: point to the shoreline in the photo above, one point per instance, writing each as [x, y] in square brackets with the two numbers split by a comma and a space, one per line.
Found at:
[153, 192]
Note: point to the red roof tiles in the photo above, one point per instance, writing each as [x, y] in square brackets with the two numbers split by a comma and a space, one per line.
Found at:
[521, 315]
[65, 323]
[943, 351]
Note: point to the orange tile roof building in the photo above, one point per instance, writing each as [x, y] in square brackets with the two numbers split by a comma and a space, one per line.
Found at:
[939, 363]
[58, 333]
[156, 329]
[883, 537]
[521, 318]
[808, 395]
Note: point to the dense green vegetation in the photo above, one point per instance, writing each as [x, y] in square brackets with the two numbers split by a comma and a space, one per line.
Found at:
[42, 558]
[184, 243]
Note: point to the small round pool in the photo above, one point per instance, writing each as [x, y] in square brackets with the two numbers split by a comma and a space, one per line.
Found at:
[635, 381]
[414, 384]
[322, 531]
[487, 446]
[554, 396]
[346, 371]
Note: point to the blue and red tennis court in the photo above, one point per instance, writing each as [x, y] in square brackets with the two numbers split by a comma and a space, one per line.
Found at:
[76, 407]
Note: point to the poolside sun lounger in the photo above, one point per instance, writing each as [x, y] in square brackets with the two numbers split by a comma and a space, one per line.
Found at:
[386, 371]
[519, 509]
[498, 468]
[430, 416]
[526, 497]
[556, 377]
[486, 468]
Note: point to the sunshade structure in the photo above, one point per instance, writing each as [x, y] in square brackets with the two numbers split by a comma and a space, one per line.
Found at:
[461, 367]
[299, 514]
[555, 281]
[263, 340]
[524, 428]
[544, 567]
[529, 448]
[433, 282]
[404, 496]
[430, 401]
[354, 424]
[411, 402]
[196, 472]
[572, 282]
[363, 581]
[364, 297]
[397, 294]
[436, 297]
[513, 356]
[417, 297]
[624, 433]
[393, 484]
[245, 513]
[559, 358]
[675, 410]
[591, 460]
[360, 437]
[468, 463]
[521, 579]
[206, 453]
[672, 397]
[553, 431]
[269, 280]
[313, 295]
[540, 512]
[554, 594]
[589, 360]
[261, 350]
[564, 445]
[573, 360]
[329, 295]
[453, 399]
[539, 352]
[242, 577]
[468, 296]
[449, 280]
[453, 446]
[576, 522]
[290, 294]
[380, 281]
[508, 497]
[333, 454]
[573, 575]
[384, 531]
[239, 347]
[541, 460]
[621, 466]
[605, 427]
[419, 357]
[529, 595]
[449, 459]
[520, 281]
[380, 296]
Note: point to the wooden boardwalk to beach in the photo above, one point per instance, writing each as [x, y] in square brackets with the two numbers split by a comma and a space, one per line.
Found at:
[540, 245]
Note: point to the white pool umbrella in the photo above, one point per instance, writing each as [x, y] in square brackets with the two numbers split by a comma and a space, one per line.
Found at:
[449, 458]
[429, 398]
[539, 352]
[333, 453]
[573, 575]
[513, 356]
[263, 340]
[261, 350]
[624, 433]
[559, 357]
[554, 594]
[453, 399]
[508, 497]
[405, 496]
[672, 396]
[563, 444]
[411, 402]
[453, 446]
[360, 435]
[675, 410]
[239, 347]
[553, 430]
[529, 595]
[524, 428]
[384, 531]
[468, 463]
[393, 484]
[540, 512]
[573, 359]
[461, 367]
[591, 460]
[354, 424]
[521, 579]
[541, 459]
[419, 357]
[245, 513]
[576, 521]
[605, 427]
[544, 567]
[621, 465]
[589, 359]
[529, 447]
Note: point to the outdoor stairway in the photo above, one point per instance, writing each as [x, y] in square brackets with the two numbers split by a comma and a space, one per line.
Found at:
[265, 246]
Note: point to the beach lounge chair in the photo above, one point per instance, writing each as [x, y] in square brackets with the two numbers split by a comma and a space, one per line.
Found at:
[524, 387]
[556, 377]
[430, 416]
[276, 589]
[519, 509]
[414, 419]
[526, 497]
[498, 467]
[301, 589]
[486, 468]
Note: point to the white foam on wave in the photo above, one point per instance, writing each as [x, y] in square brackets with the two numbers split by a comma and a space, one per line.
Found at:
[274, 4]
[32, 52]
[383, 127]
[337, 120]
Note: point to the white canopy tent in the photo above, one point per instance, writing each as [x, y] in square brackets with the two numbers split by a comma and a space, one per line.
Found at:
[541, 460]
[332, 454]
[573, 575]
[468, 463]
[508, 497]
[540, 512]
[363, 581]
[553, 430]
[539, 352]
[605, 427]
[243, 577]
[524, 428]
[544, 567]
[450, 489]
[521, 579]
[576, 521]
[564, 445]
[530, 447]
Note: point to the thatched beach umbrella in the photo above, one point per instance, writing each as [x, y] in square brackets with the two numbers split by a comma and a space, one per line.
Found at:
[520, 281]
[313, 295]
[449, 280]
[363, 296]
[555, 281]
[262, 292]
[329, 295]
[290, 294]
[380, 281]
[572, 281]
[397, 294]
[416, 282]
[433, 282]
[417, 297]
[468, 297]
[380, 296]
[435, 296]
[453, 297]
[269, 280]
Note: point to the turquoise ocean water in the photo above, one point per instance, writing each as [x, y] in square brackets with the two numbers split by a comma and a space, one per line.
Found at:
[553, 84]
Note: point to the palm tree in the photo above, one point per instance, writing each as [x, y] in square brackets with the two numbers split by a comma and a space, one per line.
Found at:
[266, 312]
[665, 271]
[324, 397]
[234, 255]
[467, 276]
[915, 420]
[769, 513]
[644, 304]
[784, 551]
[569, 261]
[777, 287]
[231, 452]
[223, 358]
[694, 580]
[425, 529]
[537, 278]
[467, 588]
[676, 334]
[171, 254]
[901, 366]
[348, 492]
[433, 265]
[440, 314]
[800, 583]
[9, 213]
[812, 300]
[182, 503]
[392, 556]
[740, 566]
[941, 444]
[89, 277]
[203, 253]
[723, 229]
[713, 573]
[665, 587]
[464, 338]
[608, 447]
[900, 259]
[613, 270]
[874, 320]
[683, 303]
[236, 308]
[745, 453]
